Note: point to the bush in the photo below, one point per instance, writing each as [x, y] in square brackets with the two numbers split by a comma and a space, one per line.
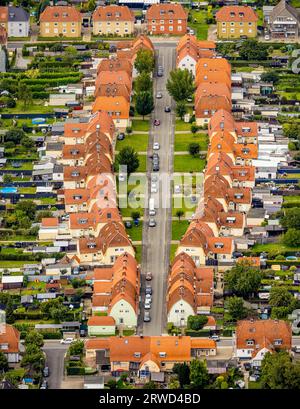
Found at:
[201, 333]
[52, 335]
[227, 332]
[77, 370]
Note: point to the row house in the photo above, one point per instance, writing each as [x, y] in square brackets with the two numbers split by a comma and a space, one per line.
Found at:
[116, 290]
[166, 19]
[15, 20]
[190, 290]
[60, 21]
[113, 20]
[127, 51]
[189, 50]
[145, 356]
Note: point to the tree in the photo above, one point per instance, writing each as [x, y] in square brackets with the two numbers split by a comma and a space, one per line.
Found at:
[144, 61]
[199, 376]
[251, 49]
[292, 130]
[181, 109]
[135, 215]
[76, 348]
[180, 85]
[27, 207]
[91, 5]
[33, 358]
[150, 385]
[34, 338]
[70, 54]
[194, 149]
[7, 178]
[194, 128]
[271, 76]
[280, 297]
[292, 238]
[196, 322]
[174, 383]
[183, 373]
[25, 95]
[143, 83]
[236, 308]
[14, 135]
[179, 213]
[243, 279]
[279, 372]
[144, 103]
[127, 157]
[112, 384]
[3, 362]
[291, 218]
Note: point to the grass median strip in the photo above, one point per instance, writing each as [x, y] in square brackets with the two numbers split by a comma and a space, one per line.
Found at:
[188, 163]
[140, 125]
[138, 142]
[179, 228]
[182, 141]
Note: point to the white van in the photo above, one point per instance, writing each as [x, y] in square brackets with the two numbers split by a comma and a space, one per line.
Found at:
[152, 211]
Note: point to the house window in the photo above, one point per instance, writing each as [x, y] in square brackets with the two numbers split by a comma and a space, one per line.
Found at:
[171, 28]
[179, 28]
[250, 342]
[162, 28]
[277, 341]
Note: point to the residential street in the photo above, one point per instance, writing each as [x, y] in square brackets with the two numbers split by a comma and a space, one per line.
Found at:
[156, 255]
[55, 352]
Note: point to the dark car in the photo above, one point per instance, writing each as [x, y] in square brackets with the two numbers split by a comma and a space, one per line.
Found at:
[156, 122]
[155, 167]
[247, 366]
[121, 137]
[128, 224]
[167, 109]
[148, 290]
[44, 385]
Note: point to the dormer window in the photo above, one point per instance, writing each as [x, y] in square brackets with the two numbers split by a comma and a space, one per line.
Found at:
[75, 174]
[277, 341]
[162, 354]
[246, 150]
[241, 14]
[219, 245]
[232, 14]
[77, 197]
[238, 195]
[250, 342]
[83, 221]
[91, 245]
[137, 354]
[230, 220]
[74, 152]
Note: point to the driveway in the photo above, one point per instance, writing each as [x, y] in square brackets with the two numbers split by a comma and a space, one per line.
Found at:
[156, 240]
[55, 353]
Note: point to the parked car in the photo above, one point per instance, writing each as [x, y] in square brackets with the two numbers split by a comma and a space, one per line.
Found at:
[46, 372]
[128, 224]
[122, 177]
[154, 178]
[156, 146]
[44, 385]
[154, 187]
[67, 341]
[152, 223]
[167, 109]
[147, 317]
[247, 366]
[159, 95]
[155, 167]
[148, 298]
[148, 289]
[148, 276]
[147, 305]
[156, 122]
[215, 337]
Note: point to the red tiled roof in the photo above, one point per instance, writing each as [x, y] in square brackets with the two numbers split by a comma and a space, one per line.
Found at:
[236, 14]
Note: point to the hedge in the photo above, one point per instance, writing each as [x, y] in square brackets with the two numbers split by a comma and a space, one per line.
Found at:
[227, 332]
[78, 370]
[30, 315]
[284, 262]
[201, 333]
[52, 335]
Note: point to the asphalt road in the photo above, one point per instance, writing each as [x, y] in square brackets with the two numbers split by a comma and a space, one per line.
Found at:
[55, 361]
[156, 240]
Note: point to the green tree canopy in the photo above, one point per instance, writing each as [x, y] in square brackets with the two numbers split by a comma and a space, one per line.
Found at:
[143, 83]
[34, 338]
[183, 373]
[291, 218]
[243, 279]
[279, 372]
[76, 348]
[194, 149]
[196, 322]
[15, 136]
[270, 76]
[199, 376]
[292, 238]
[3, 362]
[180, 85]
[127, 157]
[251, 49]
[181, 109]
[144, 103]
[236, 308]
[280, 297]
[144, 61]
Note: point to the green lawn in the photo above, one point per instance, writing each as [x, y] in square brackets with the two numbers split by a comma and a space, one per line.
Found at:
[291, 199]
[14, 263]
[173, 249]
[126, 212]
[279, 247]
[198, 24]
[143, 163]
[138, 253]
[182, 126]
[182, 141]
[140, 125]
[184, 205]
[179, 228]
[187, 163]
[26, 190]
[136, 232]
[254, 385]
[138, 142]
[47, 200]
[25, 166]
[35, 107]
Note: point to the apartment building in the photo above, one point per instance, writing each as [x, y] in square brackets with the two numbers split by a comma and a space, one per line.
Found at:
[113, 20]
[166, 19]
[284, 21]
[60, 21]
[15, 20]
[236, 22]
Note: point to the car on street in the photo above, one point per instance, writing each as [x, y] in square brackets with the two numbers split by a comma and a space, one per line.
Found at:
[156, 122]
[177, 189]
[149, 297]
[156, 146]
[67, 341]
[122, 177]
[128, 224]
[121, 137]
[147, 317]
[44, 385]
[159, 95]
[167, 109]
[154, 178]
[155, 167]
[215, 337]
[46, 371]
[148, 289]
[148, 276]
[152, 223]
[154, 187]
[152, 212]
[147, 305]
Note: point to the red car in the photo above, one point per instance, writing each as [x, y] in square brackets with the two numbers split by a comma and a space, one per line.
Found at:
[156, 122]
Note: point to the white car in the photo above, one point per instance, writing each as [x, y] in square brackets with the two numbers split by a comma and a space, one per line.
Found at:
[147, 305]
[177, 189]
[159, 95]
[122, 177]
[156, 146]
[67, 341]
[148, 298]
[154, 178]
[153, 187]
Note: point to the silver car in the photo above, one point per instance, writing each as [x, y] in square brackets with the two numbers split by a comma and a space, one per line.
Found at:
[152, 223]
